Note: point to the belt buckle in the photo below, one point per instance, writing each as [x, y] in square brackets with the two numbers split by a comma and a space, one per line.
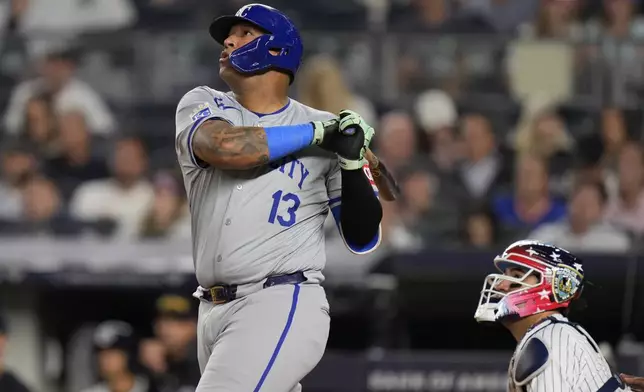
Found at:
[218, 292]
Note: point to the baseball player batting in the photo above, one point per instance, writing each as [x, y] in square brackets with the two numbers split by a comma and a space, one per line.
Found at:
[530, 297]
[262, 171]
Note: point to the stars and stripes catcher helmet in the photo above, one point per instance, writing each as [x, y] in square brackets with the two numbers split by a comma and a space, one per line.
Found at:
[560, 280]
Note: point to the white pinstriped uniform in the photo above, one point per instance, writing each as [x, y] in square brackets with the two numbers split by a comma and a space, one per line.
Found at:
[574, 363]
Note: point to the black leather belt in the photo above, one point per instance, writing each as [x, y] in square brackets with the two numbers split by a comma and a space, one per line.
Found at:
[225, 293]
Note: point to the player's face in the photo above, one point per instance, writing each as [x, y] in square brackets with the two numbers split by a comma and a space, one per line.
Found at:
[505, 286]
[240, 35]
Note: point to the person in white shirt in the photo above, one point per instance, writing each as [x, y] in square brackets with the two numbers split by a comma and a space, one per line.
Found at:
[124, 198]
[57, 77]
[584, 230]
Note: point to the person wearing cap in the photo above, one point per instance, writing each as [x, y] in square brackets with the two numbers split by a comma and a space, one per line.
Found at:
[115, 346]
[176, 328]
[8, 381]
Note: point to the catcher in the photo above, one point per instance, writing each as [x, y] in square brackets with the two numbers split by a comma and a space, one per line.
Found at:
[530, 297]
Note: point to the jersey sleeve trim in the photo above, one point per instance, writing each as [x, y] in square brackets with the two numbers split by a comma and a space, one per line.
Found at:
[191, 133]
[358, 250]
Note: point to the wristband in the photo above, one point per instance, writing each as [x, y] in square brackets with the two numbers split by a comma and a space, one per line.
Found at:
[287, 139]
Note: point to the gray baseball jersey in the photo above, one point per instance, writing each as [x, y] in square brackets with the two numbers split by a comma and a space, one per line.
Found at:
[247, 225]
[574, 361]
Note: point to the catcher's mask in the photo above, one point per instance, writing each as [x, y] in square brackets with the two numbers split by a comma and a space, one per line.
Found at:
[559, 280]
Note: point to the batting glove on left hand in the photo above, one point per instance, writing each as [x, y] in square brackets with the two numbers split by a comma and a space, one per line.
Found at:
[324, 130]
[352, 124]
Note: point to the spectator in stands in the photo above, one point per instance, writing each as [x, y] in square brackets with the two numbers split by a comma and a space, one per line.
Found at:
[591, 163]
[479, 228]
[598, 153]
[8, 382]
[396, 141]
[152, 355]
[43, 212]
[176, 328]
[544, 134]
[176, 14]
[77, 161]
[482, 166]
[58, 78]
[531, 205]
[115, 346]
[504, 15]
[401, 219]
[425, 215]
[40, 125]
[11, 12]
[585, 230]
[13, 54]
[627, 209]
[322, 86]
[437, 115]
[618, 20]
[614, 136]
[42, 203]
[554, 20]
[18, 164]
[421, 15]
[615, 37]
[70, 17]
[168, 217]
[125, 197]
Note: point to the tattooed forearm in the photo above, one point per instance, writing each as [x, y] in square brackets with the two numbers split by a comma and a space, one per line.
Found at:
[228, 147]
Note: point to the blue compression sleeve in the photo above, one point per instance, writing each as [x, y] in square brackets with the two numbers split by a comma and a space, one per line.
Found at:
[287, 139]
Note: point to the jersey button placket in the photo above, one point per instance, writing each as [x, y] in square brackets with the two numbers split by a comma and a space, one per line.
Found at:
[227, 222]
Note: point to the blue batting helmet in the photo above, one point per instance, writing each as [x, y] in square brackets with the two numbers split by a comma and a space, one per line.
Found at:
[281, 37]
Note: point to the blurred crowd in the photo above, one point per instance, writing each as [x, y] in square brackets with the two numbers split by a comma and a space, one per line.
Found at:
[482, 156]
[114, 356]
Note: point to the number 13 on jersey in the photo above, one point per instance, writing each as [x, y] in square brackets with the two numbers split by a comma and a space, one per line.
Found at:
[286, 219]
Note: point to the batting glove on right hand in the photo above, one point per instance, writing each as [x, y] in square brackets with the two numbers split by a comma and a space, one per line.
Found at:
[352, 124]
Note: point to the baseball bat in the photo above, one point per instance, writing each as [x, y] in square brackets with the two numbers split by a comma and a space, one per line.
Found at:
[387, 185]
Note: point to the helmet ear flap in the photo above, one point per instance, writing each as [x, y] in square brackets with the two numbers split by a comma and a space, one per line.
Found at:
[281, 36]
